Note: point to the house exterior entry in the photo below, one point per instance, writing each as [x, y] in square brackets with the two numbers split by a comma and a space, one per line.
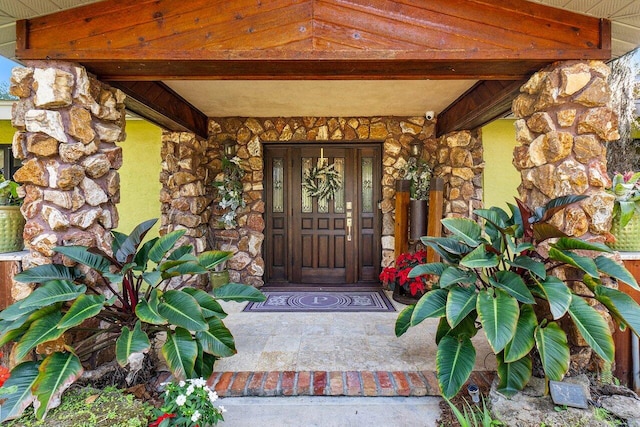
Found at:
[322, 239]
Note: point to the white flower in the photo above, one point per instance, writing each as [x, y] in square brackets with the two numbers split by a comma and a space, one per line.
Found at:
[196, 416]
[182, 384]
[222, 410]
[181, 399]
[213, 396]
[199, 382]
[189, 390]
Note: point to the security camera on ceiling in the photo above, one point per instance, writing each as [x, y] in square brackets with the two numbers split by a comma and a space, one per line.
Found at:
[430, 115]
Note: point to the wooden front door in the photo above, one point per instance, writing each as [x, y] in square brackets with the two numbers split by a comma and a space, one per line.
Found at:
[313, 241]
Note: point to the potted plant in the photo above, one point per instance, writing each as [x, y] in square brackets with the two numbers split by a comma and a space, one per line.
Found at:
[418, 172]
[11, 220]
[517, 277]
[407, 290]
[128, 291]
[229, 189]
[626, 211]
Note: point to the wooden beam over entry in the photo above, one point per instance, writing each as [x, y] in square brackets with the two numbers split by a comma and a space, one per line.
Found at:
[156, 102]
[484, 102]
[151, 40]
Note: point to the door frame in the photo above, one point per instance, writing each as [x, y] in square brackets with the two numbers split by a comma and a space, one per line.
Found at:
[280, 275]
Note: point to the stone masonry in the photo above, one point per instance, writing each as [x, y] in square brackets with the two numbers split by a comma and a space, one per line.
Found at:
[395, 132]
[68, 124]
[564, 122]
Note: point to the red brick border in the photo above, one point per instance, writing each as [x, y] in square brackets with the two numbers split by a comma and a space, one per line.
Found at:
[334, 383]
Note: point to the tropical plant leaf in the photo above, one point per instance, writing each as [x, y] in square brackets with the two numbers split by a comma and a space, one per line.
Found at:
[557, 294]
[22, 378]
[592, 327]
[57, 372]
[513, 284]
[585, 264]
[210, 307]
[499, 316]
[523, 340]
[436, 268]
[14, 311]
[557, 204]
[450, 245]
[82, 255]
[164, 245]
[495, 216]
[621, 305]
[142, 256]
[180, 351]
[127, 247]
[454, 362]
[83, 308]
[211, 259]
[147, 310]
[617, 271]
[403, 322]
[453, 275]
[432, 304]
[465, 329]
[130, 342]
[531, 265]
[203, 367]
[217, 340]
[238, 292]
[551, 342]
[568, 244]
[42, 330]
[460, 302]
[23, 322]
[181, 309]
[47, 272]
[52, 292]
[183, 268]
[543, 231]
[180, 253]
[513, 375]
[467, 230]
[479, 258]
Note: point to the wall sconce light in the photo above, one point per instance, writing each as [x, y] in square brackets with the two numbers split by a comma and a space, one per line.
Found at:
[229, 147]
[415, 148]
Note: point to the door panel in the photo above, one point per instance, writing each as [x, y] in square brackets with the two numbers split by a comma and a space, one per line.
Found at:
[335, 242]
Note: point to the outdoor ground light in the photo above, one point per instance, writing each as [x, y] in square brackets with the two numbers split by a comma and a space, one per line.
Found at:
[474, 392]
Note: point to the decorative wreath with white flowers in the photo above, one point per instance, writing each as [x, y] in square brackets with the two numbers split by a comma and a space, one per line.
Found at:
[322, 182]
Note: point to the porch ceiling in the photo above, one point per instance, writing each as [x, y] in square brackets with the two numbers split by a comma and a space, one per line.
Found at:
[183, 61]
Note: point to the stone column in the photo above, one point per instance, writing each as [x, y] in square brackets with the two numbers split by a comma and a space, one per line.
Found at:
[184, 195]
[67, 125]
[460, 163]
[564, 121]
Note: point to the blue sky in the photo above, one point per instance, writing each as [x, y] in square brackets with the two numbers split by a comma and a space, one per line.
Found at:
[5, 69]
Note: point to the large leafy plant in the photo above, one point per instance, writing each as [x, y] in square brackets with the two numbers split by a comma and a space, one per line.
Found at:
[500, 278]
[121, 301]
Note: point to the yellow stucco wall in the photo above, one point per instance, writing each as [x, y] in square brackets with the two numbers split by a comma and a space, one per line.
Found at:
[6, 132]
[139, 176]
[501, 179]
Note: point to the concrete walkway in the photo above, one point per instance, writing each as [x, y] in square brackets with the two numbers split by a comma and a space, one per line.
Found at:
[331, 411]
[332, 369]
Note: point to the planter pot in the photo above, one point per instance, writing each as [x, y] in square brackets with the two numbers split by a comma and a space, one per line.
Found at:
[11, 228]
[218, 278]
[419, 213]
[627, 238]
[403, 296]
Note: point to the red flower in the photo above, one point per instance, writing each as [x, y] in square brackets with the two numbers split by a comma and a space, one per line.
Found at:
[399, 275]
[4, 373]
[160, 419]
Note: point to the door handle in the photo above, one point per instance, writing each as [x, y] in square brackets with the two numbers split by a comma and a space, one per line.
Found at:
[349, 222]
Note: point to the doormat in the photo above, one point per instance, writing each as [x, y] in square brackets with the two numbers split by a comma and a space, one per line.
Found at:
[322, 301]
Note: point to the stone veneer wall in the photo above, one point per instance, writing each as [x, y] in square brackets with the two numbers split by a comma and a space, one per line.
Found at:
[67, 125]
[564, 122]
[460, 163]
[247, 265]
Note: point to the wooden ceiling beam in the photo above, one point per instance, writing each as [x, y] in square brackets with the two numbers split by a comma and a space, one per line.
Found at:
[157, 103]
[484, 102]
